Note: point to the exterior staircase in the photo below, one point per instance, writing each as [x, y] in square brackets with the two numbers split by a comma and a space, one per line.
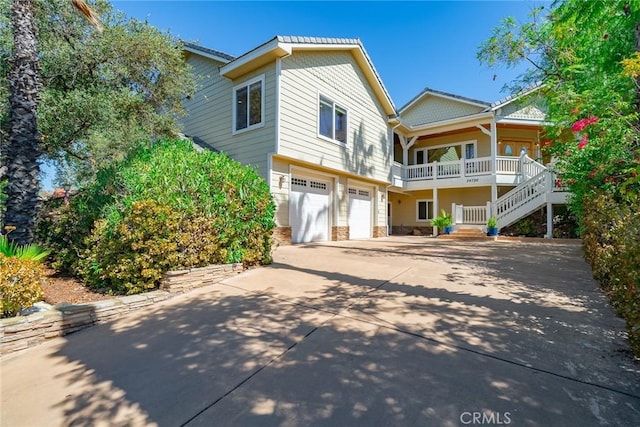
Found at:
[467, 234]
[538, 187]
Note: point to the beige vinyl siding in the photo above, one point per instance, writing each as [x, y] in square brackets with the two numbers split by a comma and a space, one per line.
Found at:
[337, 76]
[434, 109]
[343, 202]
[403, 206]
[381, 204]
[521, 134]
[210, 114]
[280, 190]
[471, 196]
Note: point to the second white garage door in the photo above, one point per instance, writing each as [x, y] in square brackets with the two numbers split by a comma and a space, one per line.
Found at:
[359, 213]
[309, 209]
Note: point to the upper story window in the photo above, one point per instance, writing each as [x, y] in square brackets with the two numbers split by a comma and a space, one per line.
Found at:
[332, 122]
[248, 101]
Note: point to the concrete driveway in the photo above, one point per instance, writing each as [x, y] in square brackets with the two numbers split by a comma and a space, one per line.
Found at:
[394, 331]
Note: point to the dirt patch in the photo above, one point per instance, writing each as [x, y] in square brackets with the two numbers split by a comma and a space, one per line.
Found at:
[61, 288]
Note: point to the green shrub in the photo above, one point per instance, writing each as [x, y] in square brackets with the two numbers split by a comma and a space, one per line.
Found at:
[20, 284]
[611, 239]
[132, 257]
[165, 207]
[525, 227]
[63, 229]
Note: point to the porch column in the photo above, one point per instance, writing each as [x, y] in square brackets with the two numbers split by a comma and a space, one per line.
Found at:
[435, 209]
[493, 134]
[494, 159]
[494, 193]
[549, 234]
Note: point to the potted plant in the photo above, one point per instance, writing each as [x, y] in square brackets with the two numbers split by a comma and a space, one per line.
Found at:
[492, 226]
[443, 222]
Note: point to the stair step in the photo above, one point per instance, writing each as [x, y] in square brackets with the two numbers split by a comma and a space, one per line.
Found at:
[466, 234]
[466, 238]
[469, 231]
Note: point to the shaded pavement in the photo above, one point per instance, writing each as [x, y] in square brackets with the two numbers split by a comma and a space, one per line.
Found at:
[393, 331]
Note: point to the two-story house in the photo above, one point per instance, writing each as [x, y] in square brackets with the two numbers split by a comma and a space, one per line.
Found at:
[471, 158]
[313, 116]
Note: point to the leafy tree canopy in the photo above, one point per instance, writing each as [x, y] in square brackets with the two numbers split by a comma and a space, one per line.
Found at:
[103, 93]
[585, 54]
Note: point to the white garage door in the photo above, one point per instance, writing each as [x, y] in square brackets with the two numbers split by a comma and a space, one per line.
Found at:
[359, 213]
[309, 210]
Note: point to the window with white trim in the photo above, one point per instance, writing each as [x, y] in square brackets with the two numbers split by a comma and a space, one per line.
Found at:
[445, 153]
[424, 210]
[248, 105]
[332, 120]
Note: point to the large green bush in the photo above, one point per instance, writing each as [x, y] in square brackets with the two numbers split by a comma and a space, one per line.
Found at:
[20, 284]
[611, 239]
[165, 207]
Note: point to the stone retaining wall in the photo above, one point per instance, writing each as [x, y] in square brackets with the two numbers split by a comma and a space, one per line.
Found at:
[21, 332]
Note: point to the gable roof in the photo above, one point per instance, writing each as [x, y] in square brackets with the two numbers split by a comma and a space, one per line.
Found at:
[209, 53]
[440, 94]
[513, 97]
[281, 46]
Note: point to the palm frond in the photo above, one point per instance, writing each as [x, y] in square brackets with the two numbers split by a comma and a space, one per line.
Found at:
[89, 13]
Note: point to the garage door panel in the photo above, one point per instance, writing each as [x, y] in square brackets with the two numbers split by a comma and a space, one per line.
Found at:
[309, 210]
[360, 224]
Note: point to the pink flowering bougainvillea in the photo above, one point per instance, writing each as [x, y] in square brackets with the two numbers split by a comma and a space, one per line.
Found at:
[583, 123]
[583, 141]
[579, 126]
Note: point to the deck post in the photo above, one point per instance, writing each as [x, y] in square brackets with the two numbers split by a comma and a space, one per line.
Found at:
[406, 144]
[435, 209]
[549, 234]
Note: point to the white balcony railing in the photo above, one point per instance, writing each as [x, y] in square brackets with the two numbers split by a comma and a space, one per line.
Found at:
[480, 166]
[477, 215]
[507, 165]
[524, 166]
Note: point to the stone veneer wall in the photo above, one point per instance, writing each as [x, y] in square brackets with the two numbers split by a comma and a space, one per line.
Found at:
[380, 231]
[339, 233]
[282, 235]
[21, 332]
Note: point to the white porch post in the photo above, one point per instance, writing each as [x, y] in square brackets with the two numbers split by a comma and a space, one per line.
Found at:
[435, 209]
[493, 134]
[550, 186]
[405, 148]
[489, 214]
[458, 213]
[454, 216]
[549, 221]
[494, 159]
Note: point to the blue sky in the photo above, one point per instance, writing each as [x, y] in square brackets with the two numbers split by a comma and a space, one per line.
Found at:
[413, 45]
